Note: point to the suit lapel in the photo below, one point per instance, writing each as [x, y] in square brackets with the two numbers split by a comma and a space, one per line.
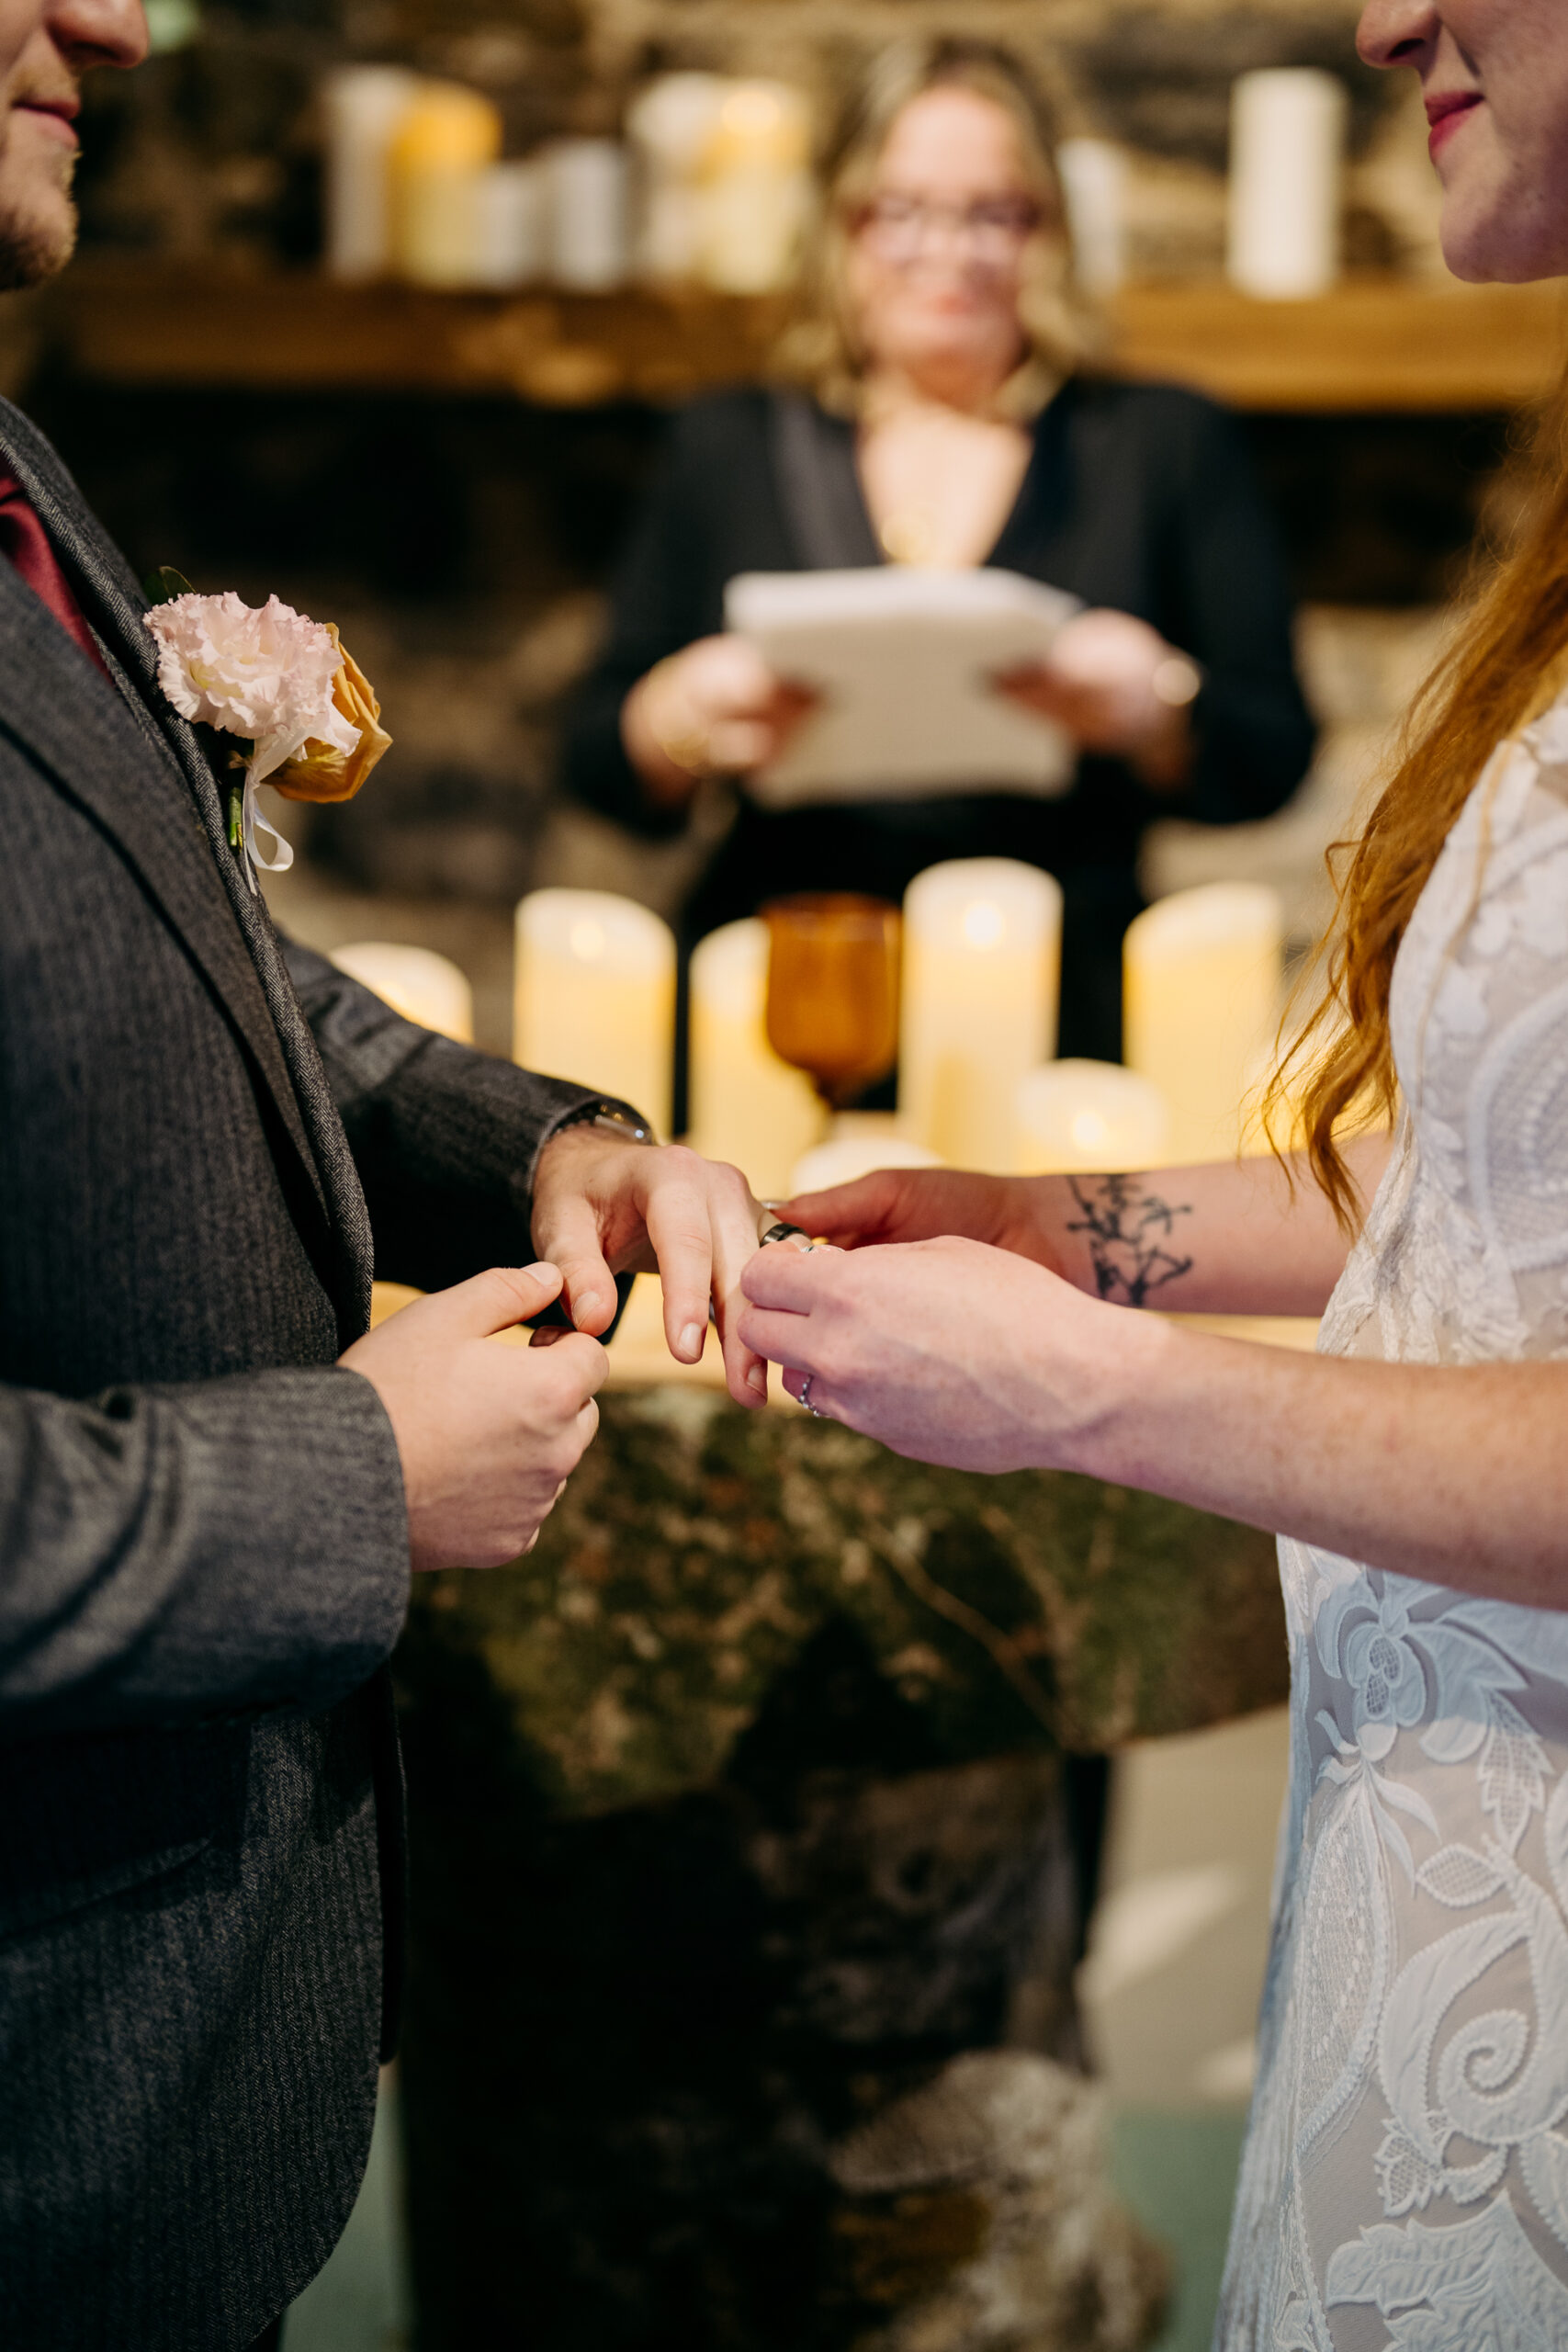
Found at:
[175, 834]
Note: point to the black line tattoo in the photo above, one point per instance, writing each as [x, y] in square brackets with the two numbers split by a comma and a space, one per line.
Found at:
[1128, 1229]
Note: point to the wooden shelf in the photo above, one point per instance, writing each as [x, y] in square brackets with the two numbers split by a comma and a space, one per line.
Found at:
[1372, 344]
[300, 332]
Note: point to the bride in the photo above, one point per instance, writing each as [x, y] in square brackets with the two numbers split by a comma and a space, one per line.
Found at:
[1405, 2177]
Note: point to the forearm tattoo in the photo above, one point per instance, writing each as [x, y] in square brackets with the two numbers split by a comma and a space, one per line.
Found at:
[1130, 1231]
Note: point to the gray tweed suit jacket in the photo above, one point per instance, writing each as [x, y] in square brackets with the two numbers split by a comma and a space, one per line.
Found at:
[203, 1548]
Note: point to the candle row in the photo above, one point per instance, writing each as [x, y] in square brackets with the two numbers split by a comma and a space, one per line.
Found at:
[595, 1001]
[715, 187]
[415, 188]
[712, 187]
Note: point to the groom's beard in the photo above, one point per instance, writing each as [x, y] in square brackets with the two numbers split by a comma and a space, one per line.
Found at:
[32, 250]
[37, 218]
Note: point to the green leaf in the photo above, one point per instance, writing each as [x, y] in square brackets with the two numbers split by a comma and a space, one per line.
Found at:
[164, 583]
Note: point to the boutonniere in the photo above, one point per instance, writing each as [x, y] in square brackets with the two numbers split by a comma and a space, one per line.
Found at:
[303, 712]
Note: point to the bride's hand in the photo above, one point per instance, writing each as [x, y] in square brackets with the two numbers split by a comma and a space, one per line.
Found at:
[900, 1205]
[945, 1351]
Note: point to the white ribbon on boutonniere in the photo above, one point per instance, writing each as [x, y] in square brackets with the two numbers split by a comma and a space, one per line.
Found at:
[301, 710]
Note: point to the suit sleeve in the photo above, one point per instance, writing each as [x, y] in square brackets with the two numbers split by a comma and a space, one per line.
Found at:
[1225, 580]
[446, 1139]
[196, 1554]
[201, 1552]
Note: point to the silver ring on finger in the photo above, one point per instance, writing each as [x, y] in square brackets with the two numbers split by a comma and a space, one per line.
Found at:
[815, 1410]
[780, 1231]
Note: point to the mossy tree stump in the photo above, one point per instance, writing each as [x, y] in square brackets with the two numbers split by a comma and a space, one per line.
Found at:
[738, 1813]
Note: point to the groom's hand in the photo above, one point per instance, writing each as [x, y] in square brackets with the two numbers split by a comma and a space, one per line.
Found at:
[488, 1436]
[603, 1208]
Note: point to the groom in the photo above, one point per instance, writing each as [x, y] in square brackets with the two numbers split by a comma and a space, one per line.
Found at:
[212, 1481]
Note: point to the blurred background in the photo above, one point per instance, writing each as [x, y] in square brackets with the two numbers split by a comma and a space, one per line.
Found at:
[450, 473]
[384, 306]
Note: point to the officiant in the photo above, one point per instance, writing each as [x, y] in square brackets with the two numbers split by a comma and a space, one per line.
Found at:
[938, 405]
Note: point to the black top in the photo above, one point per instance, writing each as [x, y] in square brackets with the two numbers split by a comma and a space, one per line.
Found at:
[1138, 497]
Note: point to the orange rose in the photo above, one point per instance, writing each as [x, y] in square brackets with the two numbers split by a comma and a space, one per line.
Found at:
[321, 772]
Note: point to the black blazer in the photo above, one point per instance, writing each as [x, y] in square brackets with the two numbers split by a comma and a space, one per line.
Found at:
[203, 1544]
[1139, 497]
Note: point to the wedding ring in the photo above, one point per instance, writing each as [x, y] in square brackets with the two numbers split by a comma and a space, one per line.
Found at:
[779, 1231]
[815, 1410]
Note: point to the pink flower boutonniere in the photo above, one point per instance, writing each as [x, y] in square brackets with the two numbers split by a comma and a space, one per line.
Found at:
[304, 714]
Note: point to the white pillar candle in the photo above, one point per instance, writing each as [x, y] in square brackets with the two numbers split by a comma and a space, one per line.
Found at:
[1202, 972]
[982, 957]
[1093, 174]
[363, 106]
[1088, 1117]
[670, 124]
[445, 141]
[510, 217]
[747, 1106]
[595, 996]
[414, 981]
[589, 213]
[759, 190]
[1287, 159]
[858, 1142]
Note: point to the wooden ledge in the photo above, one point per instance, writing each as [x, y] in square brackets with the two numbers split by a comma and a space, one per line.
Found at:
[1372, 344]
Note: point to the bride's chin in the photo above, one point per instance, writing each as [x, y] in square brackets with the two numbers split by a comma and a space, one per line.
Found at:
[1495, 242]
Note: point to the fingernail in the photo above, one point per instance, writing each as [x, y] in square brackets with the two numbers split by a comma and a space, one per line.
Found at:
[756, 1378]
[691, 1337]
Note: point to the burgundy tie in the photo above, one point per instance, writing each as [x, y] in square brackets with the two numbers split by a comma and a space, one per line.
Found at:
[25, 542]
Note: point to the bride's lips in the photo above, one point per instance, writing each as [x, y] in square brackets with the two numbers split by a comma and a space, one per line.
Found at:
[56, 118]
[1445, 114]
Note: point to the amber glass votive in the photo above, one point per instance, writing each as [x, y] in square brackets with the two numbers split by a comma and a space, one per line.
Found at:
[833, 989]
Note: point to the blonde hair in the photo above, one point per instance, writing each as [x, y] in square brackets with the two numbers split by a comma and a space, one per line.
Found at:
[821, 349]
[1503, 668]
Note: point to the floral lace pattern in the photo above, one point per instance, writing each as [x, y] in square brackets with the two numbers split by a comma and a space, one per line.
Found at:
[1405, 2177]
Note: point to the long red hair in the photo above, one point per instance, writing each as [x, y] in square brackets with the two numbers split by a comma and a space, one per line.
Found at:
[1500, 671]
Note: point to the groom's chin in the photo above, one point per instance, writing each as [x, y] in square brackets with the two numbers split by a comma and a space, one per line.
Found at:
[38, 233]
[33, 250]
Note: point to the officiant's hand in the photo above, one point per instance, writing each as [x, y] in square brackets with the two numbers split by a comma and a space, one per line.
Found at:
[603, 1208]
[898, 1204]
[715, 708]
[1117, 688]
[946, 1350]
[486, 1436]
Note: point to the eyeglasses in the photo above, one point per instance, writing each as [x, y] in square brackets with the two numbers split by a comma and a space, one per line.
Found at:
[993, 227]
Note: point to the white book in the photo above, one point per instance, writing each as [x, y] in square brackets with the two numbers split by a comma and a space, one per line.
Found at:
[904, 662]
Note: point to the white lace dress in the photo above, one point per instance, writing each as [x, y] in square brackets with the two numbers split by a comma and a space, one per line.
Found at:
[1405, 2177]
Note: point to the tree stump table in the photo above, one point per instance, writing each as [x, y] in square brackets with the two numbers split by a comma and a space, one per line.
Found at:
[743, 1923]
